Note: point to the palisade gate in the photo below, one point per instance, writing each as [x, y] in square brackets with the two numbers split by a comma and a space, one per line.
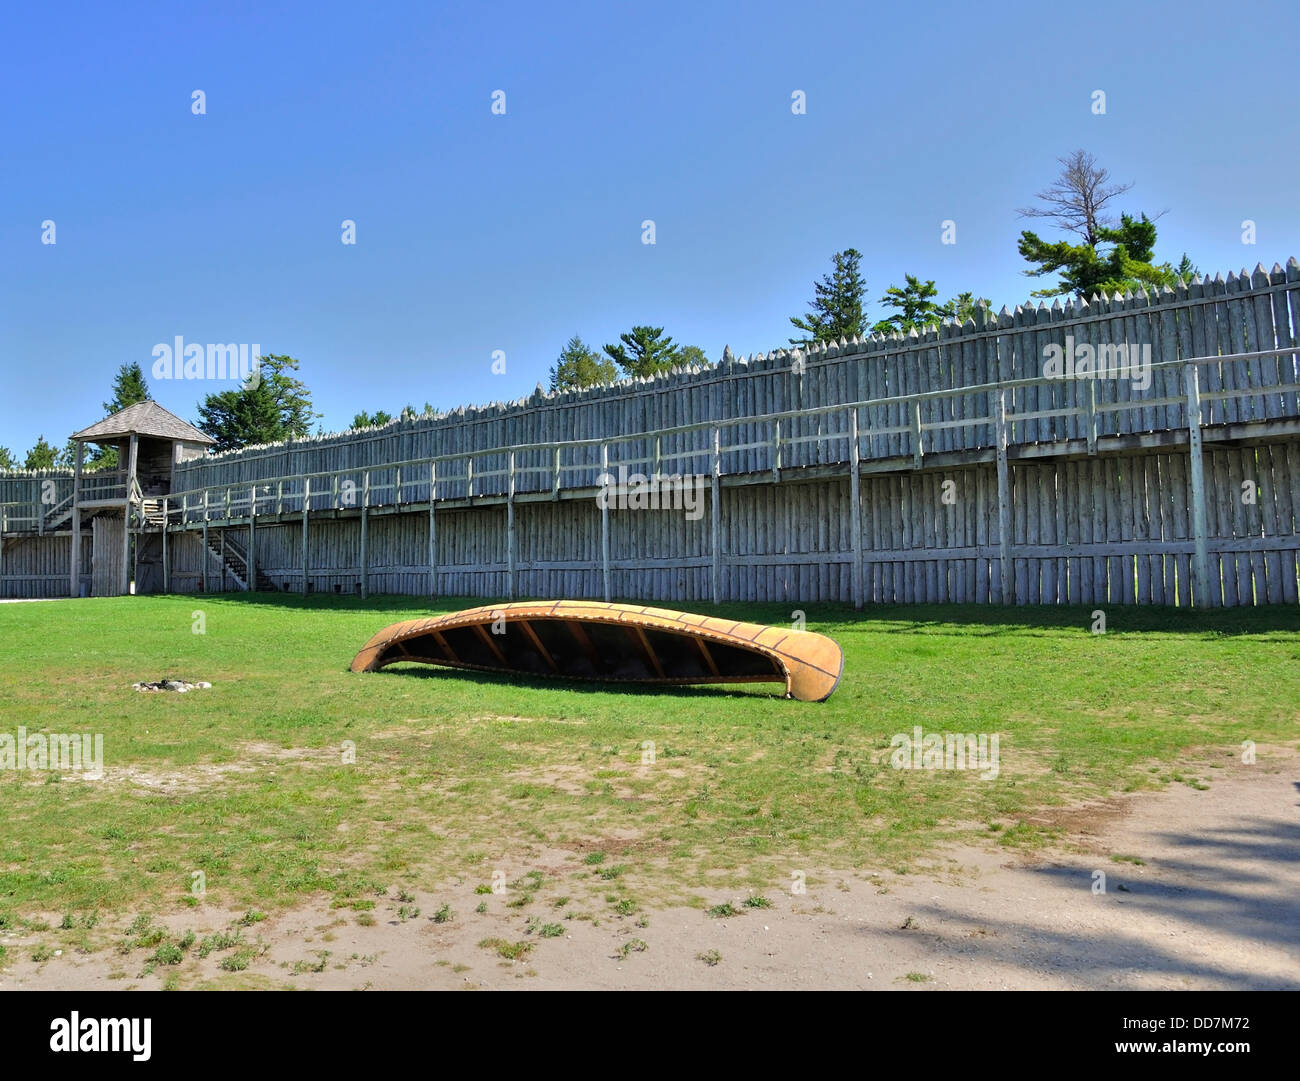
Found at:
[1129, 449]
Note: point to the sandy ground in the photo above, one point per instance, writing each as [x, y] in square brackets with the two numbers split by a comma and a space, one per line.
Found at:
[1215, 903]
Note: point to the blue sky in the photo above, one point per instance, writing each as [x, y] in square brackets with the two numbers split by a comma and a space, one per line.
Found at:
[478, 232]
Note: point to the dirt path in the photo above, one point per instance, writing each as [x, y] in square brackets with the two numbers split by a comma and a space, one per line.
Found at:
[1214, 903]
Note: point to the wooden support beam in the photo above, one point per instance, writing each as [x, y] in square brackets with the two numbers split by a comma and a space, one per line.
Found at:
[510, 525]
[365, 514]
[306, 511]
[489, 640]
[716, 519]
[166, 562]
[855, 508]
[250, 576]
[1203, 595]
[584, 643]
[1004, 494]
[705, 654]
[638, 636]
[132, 459]
[531, 635]
[604, 518]
[433, 529]
[917, 453]
[74, 572]
[1090, 417]
[445, 646]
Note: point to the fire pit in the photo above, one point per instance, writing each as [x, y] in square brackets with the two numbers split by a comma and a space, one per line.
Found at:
[180, 686]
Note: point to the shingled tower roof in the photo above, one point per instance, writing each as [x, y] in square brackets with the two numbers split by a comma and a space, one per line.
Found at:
[144, 418]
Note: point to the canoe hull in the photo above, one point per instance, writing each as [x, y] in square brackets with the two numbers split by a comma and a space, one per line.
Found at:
[611, 643]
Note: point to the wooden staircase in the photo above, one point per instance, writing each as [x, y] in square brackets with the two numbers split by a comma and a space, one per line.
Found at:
[236, 563]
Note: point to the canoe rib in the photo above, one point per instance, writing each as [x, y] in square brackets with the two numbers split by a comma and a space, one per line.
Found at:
[612, 642]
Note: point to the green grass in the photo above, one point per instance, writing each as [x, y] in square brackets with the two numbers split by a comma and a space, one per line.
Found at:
[460, 775]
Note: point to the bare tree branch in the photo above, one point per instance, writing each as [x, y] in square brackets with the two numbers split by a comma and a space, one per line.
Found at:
[1076, 200]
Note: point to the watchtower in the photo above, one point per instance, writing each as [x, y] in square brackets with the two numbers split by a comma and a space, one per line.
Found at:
[127, 501]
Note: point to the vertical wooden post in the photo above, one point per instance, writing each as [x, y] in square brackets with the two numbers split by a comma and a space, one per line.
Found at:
[776, 452]
[1091, 417]
[855, 494]
[716, 522]
[658, 450]
[433, 529]
[916, 435]
[365, 513]
[207, 552]
[74, 573]
[397, 498]
[469, 476]
[250, 574]
[279, 498]
[3, 527]
[223, 554]
[306, 510]
[167, 570]
[555, 477]
[1203, 597]
[132, 457]
[1004, 494]
[604, 517]
[510, 525]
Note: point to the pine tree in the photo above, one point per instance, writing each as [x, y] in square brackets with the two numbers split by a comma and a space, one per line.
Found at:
[644, 351]
[273, 408]
[1077, 202]
[129, 387]
[579, 366]
[914, 304]
[40, 456]
[837, 305]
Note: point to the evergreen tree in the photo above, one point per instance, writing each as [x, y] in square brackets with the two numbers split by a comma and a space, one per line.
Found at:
[692, 355]
[579, 366]
[644, 351]
[837, 304]
[371, 420]
[272, 408]
[917, 309]
[1110, 256]
[914, 305]
[40, 456]
[1086, 270]
[129, 387]
[7, 459]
